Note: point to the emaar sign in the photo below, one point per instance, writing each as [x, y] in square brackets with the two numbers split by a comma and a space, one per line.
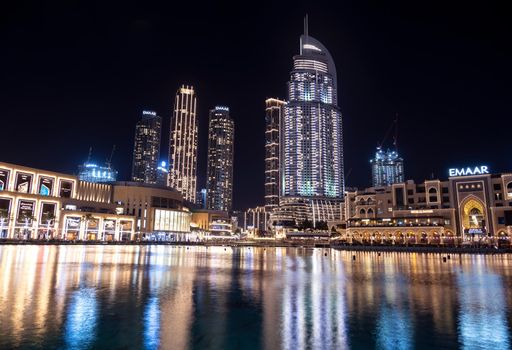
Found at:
[478, 170]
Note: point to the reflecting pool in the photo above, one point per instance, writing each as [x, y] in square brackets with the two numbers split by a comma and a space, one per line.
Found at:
[170, 297]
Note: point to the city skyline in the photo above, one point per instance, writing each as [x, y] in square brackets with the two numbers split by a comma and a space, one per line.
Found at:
[449, 92]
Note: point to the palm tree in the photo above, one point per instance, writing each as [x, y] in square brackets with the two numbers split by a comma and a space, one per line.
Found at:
[86, 218]
[26, 218]
[4, 217]
[49, 218]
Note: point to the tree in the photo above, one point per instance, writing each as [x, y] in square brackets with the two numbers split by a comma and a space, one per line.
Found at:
[86, 218]
[49, 218]
[322, 225]
[306, 225]
[4, 217]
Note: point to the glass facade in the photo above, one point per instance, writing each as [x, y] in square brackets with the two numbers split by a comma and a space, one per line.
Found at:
[219, 181]
[311, 130]
[146, 149]
[94, 173]
[183, 144]
[171, 220]
[273, 114]
[387, 168]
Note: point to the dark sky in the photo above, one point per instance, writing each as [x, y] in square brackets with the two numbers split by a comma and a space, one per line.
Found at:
[77, 74]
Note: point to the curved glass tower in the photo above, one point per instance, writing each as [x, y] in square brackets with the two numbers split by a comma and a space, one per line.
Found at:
[312, 143]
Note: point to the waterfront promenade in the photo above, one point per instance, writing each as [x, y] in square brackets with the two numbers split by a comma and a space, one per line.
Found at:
[468, 249]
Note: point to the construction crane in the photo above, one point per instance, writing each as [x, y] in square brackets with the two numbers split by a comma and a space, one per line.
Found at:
[394, 125]
[109, 160]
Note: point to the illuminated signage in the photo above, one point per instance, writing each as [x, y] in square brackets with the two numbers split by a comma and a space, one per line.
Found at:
[475, 231]
[311, 47]
[47, 212]
[424, 211]
[4, 179]
[478, 170]
[23, 182]
[72, 223]
[25, 211]
[222, 108]
[149, 113]
[66, 187]
[45, 186]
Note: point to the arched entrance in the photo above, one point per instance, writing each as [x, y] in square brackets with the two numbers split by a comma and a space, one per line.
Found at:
[473, 218]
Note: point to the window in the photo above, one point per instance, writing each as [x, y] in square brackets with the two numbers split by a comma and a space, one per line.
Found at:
[497, 187]
[410, 200]
[420, 189]
[445, 189]
[432, 195]
[501, 220]
[410, 192]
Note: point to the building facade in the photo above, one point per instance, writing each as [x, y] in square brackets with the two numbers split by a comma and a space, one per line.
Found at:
[221, 142]
[311, 140]
[274, 109]
[464, 208]
[92, 172]
[183, 144]
[146, 149]
[40, 204]
[312, 143]
[159, 212]
[387, 168]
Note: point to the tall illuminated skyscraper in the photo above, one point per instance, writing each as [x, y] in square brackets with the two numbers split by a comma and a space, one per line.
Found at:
[219, 181]
[273, 113]
[183, 144]
[312, 141]
[146, 149]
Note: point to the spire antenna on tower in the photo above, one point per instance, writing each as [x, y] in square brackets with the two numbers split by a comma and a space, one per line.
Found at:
[306, 25]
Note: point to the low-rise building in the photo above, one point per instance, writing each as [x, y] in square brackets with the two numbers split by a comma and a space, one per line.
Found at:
[40, 204]
[160, 211]
[470, 206]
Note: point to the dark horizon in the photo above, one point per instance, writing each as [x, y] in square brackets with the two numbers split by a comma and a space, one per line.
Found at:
[79, 75]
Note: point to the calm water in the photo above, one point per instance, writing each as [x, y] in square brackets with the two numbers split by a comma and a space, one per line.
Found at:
[88, 297]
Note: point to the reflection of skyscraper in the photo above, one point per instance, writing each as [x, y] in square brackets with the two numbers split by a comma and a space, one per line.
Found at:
[387, 168]
[146, 149]
[273, 114]
[183, 144]
[219, 181]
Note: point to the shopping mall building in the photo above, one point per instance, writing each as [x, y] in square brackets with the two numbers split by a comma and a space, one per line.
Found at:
[472, 205]
[39, 204]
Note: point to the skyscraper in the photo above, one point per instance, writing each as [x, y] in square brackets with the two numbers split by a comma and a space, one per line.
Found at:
[146, 149]
[219, 180]
[387, 168]
[311, 140]
[183, 144]
[312, 143]
[273, 114]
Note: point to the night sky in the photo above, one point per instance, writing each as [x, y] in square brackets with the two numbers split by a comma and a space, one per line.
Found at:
[78, 74]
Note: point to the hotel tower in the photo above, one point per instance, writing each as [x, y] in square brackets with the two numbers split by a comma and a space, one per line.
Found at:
[312, 182]
[146, 149]
[219, 181]
[183, 144]
[273, 113]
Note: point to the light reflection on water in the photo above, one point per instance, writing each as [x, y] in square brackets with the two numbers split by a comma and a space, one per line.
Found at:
[105, 297]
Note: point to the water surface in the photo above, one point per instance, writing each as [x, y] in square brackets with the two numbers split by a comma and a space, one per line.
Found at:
[150, 297]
